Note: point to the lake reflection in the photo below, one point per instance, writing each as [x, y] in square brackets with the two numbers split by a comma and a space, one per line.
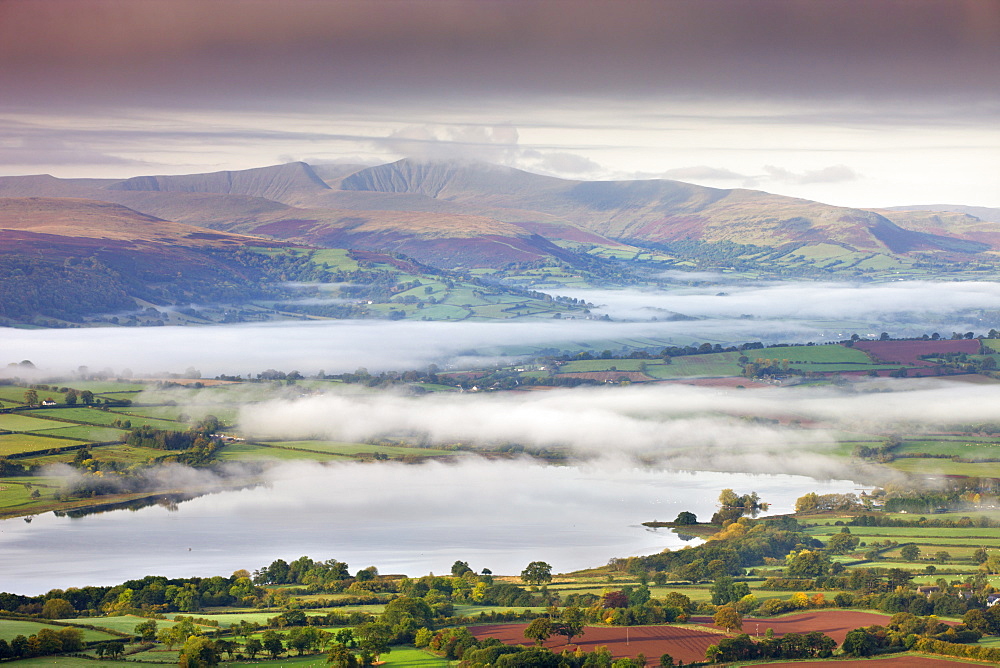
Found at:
[401, 518]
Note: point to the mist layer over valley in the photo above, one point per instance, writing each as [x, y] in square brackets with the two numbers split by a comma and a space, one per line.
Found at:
[400, 518]
[720, 312]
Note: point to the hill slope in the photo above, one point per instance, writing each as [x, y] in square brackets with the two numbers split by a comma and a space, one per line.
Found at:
[462, 214]
[655, 211]
[68, 258]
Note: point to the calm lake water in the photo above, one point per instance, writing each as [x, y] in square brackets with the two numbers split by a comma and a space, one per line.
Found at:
[401, 518]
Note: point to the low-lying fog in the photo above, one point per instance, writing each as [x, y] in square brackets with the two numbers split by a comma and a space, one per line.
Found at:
[411, 519]
[909, 303]
[768, 312]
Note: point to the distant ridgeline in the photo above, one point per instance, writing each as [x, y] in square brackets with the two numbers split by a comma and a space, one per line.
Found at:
[72, 249]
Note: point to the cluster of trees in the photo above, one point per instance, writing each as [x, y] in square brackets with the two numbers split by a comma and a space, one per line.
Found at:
[733, 506]
[790, 646]
[47, 641]
[902, 633]
[459, 644]
[743, 544]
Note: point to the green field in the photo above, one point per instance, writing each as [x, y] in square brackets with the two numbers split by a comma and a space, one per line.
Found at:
[87, 433]
[831, 353]
[123, 623]
[347, 449]
[11, 628]
[13, 394]
[21, 422]
[12, 444]
[105, 418]
[947, 467]
[102, 386]
[252, 452]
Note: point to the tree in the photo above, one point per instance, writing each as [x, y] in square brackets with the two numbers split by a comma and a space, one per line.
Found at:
[272, 643]
[686, 518]
[539, 630]
[842, 543]
[57, 608]
[146, 630]
[198, 652]
[859, 643]
[728, 618]
[31, 397]
[536, 573]
[254, 647]
[570, 623]
[87, 397]
[807, 564]
[71, 397]
[910, 552]
[341, 657]
[807, 503]
[460, 568]
[373, 640]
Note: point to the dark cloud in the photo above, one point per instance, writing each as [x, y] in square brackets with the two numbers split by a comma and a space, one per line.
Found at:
[224, 52]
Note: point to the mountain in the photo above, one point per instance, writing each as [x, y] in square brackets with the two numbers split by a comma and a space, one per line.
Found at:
[655, 211]
[268, 182]
[478, 215]
[984, 213]
[66, 258]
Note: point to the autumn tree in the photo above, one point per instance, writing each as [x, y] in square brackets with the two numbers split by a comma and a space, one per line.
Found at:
[728, 618]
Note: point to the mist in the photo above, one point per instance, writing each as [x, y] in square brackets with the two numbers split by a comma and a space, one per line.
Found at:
[780, 430]
[411, 519]
[770, 313]
[912, 303]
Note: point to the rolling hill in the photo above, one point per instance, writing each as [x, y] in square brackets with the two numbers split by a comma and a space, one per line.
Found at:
[66, 258]
[477, 215]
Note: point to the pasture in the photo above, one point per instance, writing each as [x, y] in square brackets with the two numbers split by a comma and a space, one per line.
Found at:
[11, 628]
[15, 444]
[96, 416]
[21, 422]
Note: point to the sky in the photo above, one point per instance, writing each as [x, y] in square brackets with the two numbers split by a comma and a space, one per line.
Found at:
[853, 102]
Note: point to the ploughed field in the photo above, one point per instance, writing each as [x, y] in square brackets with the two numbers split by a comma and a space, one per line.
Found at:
[906, 661]
[681, 642]
[834, 623]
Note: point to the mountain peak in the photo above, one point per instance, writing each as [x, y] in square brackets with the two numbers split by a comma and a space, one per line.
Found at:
[275, 182]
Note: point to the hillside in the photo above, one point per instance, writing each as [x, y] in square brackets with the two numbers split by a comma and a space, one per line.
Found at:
[657, 211]
[64, 259]
[466, 215]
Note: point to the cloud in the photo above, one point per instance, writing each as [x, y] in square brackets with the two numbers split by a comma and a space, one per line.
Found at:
[463, 142]
[802, 49]
[704, 173]
[832, 174]
[558, 163]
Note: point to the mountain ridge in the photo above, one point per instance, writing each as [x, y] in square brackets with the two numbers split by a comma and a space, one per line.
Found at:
[435, 210]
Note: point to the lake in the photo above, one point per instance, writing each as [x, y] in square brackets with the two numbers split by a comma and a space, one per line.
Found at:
[412, 519]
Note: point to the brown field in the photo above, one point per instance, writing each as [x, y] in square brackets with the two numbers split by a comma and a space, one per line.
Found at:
[727, 381]
[682, 643]
[904, 661]
[834, 623]
[909, 352]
